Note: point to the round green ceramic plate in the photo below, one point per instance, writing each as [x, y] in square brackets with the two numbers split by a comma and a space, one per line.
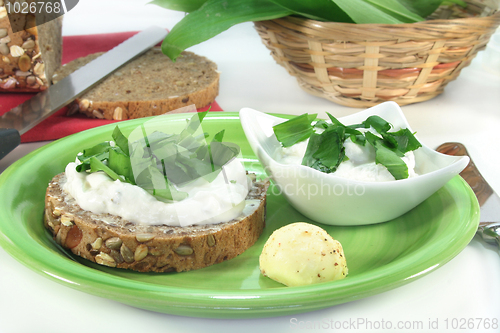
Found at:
[380, 257]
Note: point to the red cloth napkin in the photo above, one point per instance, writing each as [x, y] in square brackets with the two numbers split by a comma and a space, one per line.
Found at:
[59, 125]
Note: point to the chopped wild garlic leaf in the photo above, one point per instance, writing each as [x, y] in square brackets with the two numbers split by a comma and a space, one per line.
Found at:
[158, 162]
[325, 151]
[294, 130]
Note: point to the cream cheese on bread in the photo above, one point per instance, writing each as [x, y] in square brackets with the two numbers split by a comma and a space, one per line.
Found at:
[218, 201]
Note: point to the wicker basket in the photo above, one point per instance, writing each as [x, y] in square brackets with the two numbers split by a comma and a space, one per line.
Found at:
[361, 65]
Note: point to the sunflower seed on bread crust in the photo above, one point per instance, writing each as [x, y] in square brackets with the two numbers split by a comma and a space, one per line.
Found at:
[147, 248]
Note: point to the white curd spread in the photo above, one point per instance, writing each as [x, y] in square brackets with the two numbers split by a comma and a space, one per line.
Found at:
[221, 200]
[360, 166]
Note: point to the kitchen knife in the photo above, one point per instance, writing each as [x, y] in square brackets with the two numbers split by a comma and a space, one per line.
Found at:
[27, 115]
[489, 201]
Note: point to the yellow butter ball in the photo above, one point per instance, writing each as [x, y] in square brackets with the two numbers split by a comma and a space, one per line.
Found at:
[301, 254]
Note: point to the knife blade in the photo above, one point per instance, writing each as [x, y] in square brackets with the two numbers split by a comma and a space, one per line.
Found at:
[30, 113]
[489, 201]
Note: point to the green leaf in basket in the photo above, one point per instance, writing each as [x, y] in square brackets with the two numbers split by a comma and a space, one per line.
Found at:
[214, 17]
[458, 2]
[324, 10]
[425, 8]
[362, 11]
[179, 5]
[396, 9]
[208, 18]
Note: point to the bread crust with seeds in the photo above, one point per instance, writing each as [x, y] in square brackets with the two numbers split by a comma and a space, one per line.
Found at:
[115, 242]
[150, 85]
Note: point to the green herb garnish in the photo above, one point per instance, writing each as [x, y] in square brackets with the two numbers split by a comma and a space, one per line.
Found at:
[325, 151]
[294, 130]
[158, 162]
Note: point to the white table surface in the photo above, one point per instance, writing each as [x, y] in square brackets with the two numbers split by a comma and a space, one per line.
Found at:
[466, 287]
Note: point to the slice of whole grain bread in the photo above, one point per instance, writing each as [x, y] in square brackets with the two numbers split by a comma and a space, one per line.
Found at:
[115, 242]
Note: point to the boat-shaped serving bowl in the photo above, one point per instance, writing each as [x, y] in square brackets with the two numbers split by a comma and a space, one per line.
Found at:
[334, 200]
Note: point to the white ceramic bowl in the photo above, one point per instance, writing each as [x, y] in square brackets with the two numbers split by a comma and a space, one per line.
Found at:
[334, 200]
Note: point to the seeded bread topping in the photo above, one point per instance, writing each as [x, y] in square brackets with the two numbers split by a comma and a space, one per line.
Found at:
[28, 58]
[149, 85]
[115, 242]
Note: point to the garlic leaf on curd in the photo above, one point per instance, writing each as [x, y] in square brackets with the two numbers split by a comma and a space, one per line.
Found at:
[159, 162]
[325, 149]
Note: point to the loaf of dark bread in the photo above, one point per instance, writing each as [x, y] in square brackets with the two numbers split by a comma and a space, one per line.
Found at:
[147, 86]
[113, 241]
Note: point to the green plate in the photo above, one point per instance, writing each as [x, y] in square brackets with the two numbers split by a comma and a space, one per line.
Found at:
[380, 257]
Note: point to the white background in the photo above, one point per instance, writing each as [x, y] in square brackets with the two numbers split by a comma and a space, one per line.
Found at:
[466, 287]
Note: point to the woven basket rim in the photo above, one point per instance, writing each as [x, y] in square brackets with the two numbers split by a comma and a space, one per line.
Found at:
[494, 16]
[424, 30]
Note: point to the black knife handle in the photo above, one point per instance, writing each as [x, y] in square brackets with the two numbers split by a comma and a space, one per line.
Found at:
[9, 139]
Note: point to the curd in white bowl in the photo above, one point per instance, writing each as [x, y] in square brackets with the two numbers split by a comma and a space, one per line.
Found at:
[334, 200]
